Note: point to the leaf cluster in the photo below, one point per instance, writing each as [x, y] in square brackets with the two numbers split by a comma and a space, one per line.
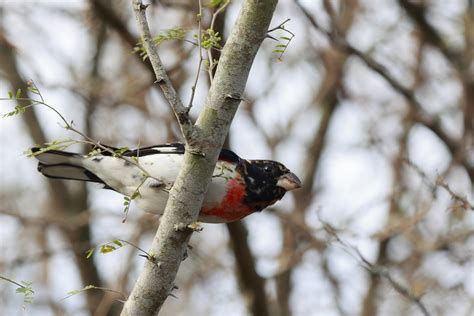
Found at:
[23, 288]
[210, 39]
[163, 36]
[217, 3]
[105, 248]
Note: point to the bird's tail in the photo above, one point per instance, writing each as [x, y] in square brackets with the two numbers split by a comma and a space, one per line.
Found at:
[63, 165]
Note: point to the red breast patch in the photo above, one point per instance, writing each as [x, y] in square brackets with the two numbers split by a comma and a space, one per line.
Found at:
[232, 207]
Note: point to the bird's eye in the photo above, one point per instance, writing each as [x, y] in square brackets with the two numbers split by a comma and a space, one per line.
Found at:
[267, 169]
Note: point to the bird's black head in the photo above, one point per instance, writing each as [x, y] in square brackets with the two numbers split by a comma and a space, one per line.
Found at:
[267, 181]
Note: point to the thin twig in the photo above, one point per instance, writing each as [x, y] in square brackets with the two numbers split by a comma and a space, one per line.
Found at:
[136, 247]
[209, 50]
[383, 272]
[379, 270]
[93, 287]
[12, 281]
[280, 26]
[70, 126]
[464, 203]
[180, 111]
[193, 88]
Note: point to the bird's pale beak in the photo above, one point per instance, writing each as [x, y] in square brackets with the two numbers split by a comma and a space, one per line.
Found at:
[289, 181]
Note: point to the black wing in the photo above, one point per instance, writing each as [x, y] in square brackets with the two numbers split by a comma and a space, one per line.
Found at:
[173, 148]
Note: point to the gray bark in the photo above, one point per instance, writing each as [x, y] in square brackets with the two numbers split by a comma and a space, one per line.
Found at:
[169, 245]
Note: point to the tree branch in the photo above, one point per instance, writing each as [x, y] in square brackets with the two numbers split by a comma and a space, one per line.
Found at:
[169, 245]
[180, 111]
[417, 12]
[253, 285]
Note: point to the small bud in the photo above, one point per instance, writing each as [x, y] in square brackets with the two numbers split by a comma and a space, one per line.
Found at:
[195, 227]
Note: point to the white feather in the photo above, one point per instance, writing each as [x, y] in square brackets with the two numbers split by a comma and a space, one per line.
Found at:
[125, 178]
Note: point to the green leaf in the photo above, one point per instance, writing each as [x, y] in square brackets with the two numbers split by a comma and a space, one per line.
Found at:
[135, 195]
[210, 39]
[107, 249]
[126, 200]
[18, 110]
[281, 45]
[54, 145]
[18, 93]
[278, 51]
[111, 246]
[164, 35]
[22, 290]
[27, 291]
[217, 3]
[73, 292]
[285, 38]
[10, 95]
[32, 88]
[94, 152]
[89, 253]
[119, 152]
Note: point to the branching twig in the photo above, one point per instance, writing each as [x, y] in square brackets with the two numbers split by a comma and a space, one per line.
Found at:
[24, 289]
[400, 288]
[377, 269]
[180, 111]
[93, 287]
[211, 61]
[199, 42]
[12, 281]
[463, 202]
[70, 126]
[417, 13]
[280, 27]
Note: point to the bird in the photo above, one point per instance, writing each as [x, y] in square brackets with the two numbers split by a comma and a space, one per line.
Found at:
[238, 188]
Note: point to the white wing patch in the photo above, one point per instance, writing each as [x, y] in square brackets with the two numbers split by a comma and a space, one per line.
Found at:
[167, 149]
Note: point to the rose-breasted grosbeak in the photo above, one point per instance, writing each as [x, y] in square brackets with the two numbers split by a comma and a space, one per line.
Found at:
[238, 187]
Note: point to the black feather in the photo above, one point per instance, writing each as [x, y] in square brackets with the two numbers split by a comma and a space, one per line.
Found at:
[173, 148]
[72, 172]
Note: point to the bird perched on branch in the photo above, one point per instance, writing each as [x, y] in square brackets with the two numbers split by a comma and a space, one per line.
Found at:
[238, 187]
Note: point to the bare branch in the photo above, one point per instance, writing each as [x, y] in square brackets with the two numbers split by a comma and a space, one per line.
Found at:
[378, 270]
[198, 72]
[462, 202]
[417, 13]
[180, 111]
[210, 58]
[252, 283]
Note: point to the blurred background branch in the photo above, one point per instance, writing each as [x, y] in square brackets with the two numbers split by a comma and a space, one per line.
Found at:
[372, 104]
